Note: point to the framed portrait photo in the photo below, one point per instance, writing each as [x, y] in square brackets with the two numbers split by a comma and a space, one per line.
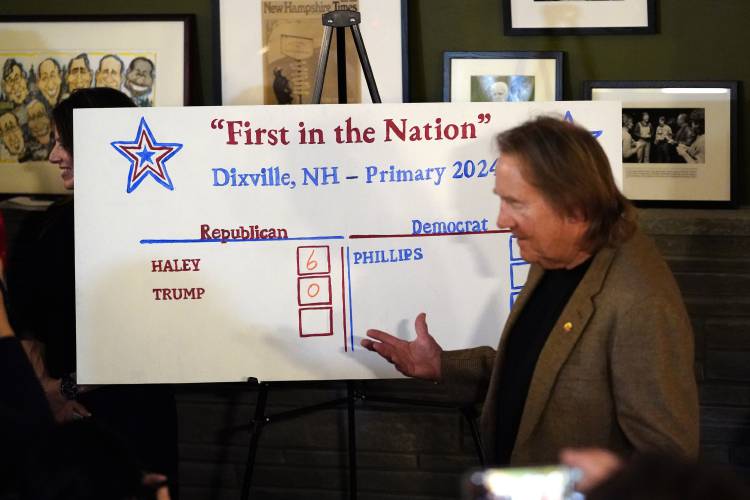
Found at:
[268, 51]
[502, 76]
[679, 141]
[45, 58]
[579, 17]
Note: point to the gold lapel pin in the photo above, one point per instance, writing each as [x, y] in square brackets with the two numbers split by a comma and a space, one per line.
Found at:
[568, 326]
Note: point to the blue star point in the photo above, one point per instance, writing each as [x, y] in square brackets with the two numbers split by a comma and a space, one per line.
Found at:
[568, 117]
[147, 157]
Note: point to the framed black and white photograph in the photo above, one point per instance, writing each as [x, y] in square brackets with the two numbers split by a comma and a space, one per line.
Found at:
[502, 76]
[579, 17]
[45, 58]
[679, 140]
[268, 51]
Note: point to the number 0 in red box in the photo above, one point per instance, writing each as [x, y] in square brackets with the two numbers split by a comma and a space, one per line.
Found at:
[314, 290]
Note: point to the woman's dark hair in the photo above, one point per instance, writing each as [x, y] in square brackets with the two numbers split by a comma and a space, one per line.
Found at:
[572, 172]
[98, 97]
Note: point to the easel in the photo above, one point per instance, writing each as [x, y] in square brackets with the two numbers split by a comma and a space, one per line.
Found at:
[260, 420]
[339, 19]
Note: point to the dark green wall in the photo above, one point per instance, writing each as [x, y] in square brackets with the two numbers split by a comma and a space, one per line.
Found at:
[697, 40]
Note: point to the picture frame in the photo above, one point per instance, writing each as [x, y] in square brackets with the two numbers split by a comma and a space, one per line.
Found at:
[680, 141]
[579, 17]
[503, 76]
[44, 58]
[276, 61]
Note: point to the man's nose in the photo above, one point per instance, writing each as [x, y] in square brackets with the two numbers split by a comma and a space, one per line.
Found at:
[503, 219]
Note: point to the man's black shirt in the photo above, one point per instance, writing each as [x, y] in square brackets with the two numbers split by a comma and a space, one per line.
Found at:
[524, 345]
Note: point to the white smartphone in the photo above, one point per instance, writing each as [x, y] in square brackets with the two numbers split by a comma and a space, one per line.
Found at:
[554, 482]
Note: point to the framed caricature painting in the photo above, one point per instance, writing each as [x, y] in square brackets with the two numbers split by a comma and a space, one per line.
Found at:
[45, 58]
[268, 51]
[679, 140]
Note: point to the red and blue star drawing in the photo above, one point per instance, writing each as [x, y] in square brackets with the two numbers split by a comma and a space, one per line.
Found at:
[147, 157]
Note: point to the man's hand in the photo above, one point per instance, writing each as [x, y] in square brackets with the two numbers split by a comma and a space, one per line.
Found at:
[157, 483]
[5, 329]
[419, 358]
[596, 464]
[63, 409]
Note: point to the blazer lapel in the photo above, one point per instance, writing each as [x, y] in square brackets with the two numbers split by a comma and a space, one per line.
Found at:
[560, 343]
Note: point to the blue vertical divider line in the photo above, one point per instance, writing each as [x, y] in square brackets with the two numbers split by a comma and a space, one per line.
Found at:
[351, 305]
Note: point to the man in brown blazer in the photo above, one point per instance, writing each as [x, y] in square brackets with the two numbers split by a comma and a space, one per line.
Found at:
[598, 348]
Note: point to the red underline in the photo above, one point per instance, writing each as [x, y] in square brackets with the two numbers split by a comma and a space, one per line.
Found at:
[375, 236]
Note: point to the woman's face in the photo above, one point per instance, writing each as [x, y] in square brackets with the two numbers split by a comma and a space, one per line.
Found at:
[64, 161]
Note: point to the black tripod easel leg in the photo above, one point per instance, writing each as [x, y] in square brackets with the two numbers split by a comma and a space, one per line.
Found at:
[341, 64]
[325, 49]
[366, 68]
[257, 427]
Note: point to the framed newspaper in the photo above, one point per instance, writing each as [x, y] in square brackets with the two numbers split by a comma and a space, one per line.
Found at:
[579, 17]
[268, 50]
[45, 58]
[679, 141]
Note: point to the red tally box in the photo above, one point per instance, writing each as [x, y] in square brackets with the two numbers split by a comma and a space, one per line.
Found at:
[313, 260]
[316, 322]
[314, 290]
